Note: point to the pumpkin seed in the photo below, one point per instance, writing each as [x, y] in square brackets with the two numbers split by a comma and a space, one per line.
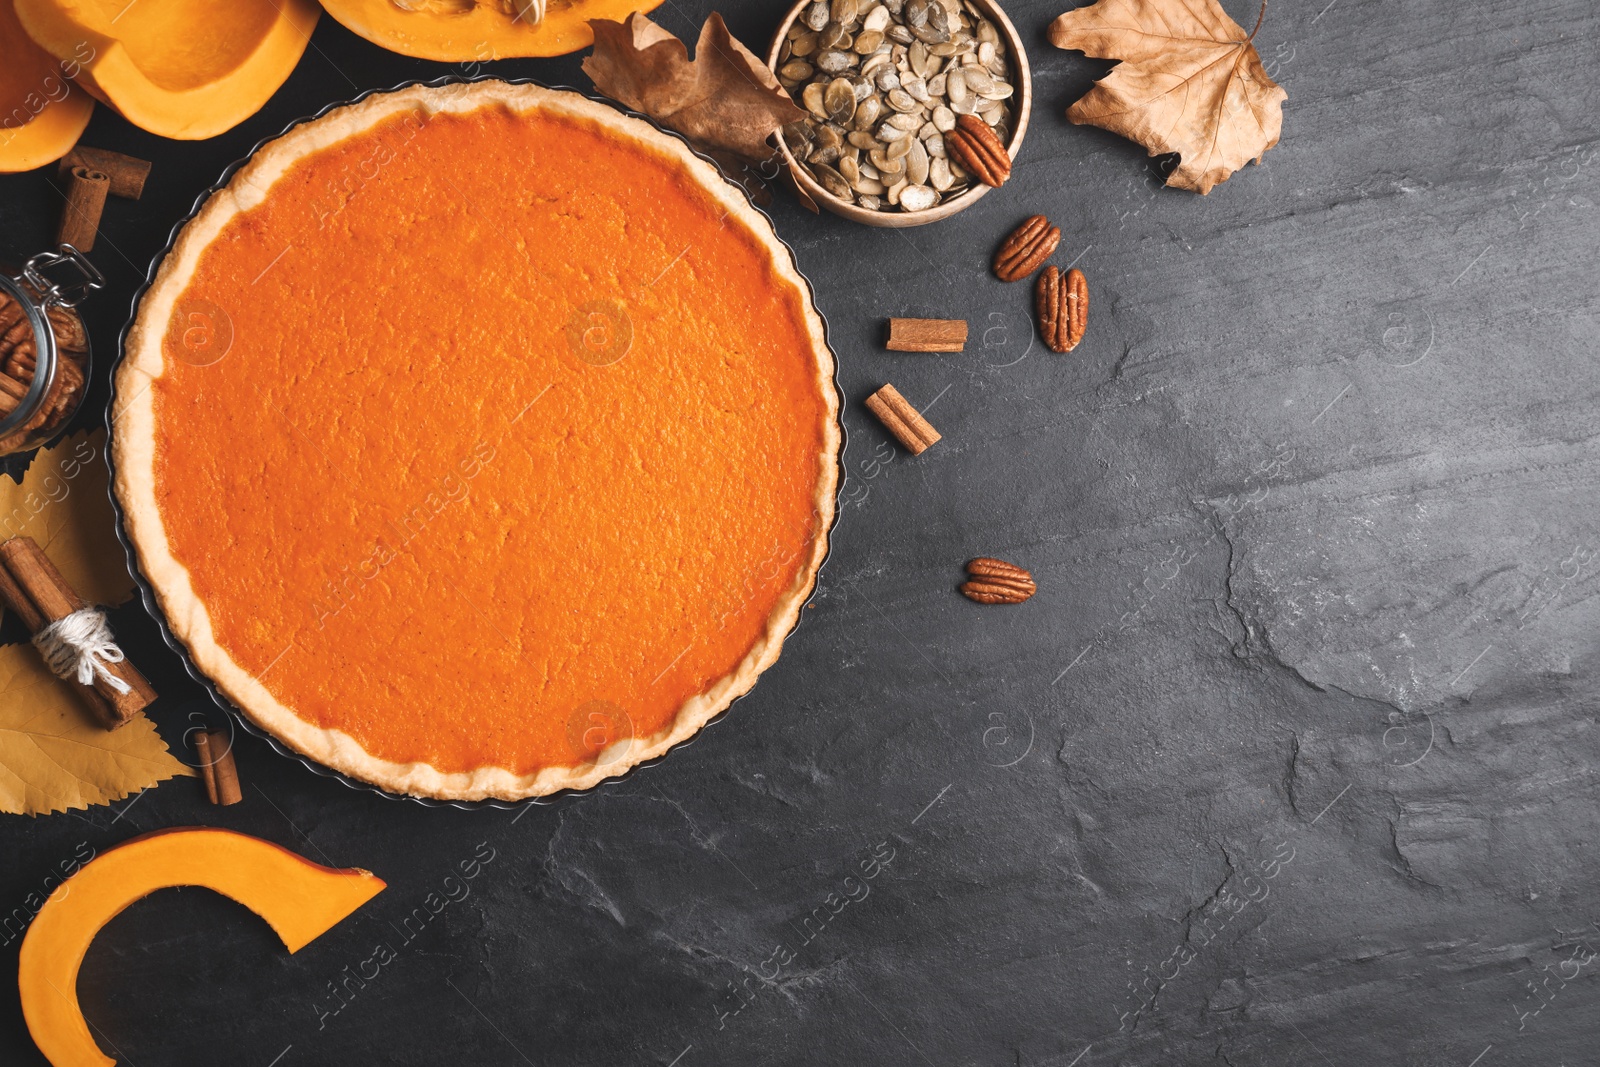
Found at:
[839, 100]
[850, 169]
[862, 140]
[804, 45]
[870, 186]
[917, 56]
[817, 16]
[868, 42]
[908, 121]
[955, 89]
[821, 154]
[888, 81]
[835, 62]
[831, 180]
[886, 167]
[899, 150]
[917, 88]
[901, 100]
[811, 99]
[899, 34]
[871, 203]
[934, 145]
[870, 172]
[833, 35]
[916, 13]
[796, 70]
[877, 20]
[917, 163]
[918, 197]
[889, 133]
[844, 12]
[795, 31]
[944, 119]
[868, 112]
[939, 174]
[895, 190]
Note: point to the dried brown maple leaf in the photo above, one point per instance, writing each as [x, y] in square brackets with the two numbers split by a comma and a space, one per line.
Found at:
[1190, 81]
[725, 101]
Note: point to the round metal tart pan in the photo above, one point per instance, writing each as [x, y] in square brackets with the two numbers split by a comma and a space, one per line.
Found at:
[147, 593]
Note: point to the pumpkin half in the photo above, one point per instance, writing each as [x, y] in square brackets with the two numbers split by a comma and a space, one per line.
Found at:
[299, 899]
[186, 69]
[42, 110]
[476, 31]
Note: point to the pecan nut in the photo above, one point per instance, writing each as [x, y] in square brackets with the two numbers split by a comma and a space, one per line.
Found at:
[1028, 246]
[994, 581]
[1063, 306]
[979, 151]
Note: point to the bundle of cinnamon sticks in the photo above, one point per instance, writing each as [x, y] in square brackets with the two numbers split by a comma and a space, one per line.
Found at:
[37, 593]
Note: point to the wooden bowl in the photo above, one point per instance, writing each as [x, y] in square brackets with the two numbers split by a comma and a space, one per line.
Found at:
[1022, 106]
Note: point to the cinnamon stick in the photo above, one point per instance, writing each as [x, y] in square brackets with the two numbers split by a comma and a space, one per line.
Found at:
[80, 216]
[927, 335]
[217, 769]
[208, 774]
[29, 615]
[127, 174]
[52, 600]
[902, 420]
[224, 771]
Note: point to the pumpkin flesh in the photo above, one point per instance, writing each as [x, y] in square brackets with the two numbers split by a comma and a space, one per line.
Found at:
[299, 899]
[186, 69]
[484, 32]
[42, 111]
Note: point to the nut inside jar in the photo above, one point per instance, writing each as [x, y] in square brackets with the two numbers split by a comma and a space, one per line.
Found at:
[24, 424]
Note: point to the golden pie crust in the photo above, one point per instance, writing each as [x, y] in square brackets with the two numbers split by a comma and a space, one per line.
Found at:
[212, 516]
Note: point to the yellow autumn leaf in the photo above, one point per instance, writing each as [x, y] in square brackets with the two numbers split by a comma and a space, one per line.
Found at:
[62, 503]
[53, 757]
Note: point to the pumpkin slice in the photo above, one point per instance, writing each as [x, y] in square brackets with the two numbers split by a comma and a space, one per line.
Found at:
[187, 69]
[42, 112]
[299, 899]
[474, 31]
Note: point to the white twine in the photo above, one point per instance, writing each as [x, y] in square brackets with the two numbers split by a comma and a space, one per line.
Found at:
[79, 646]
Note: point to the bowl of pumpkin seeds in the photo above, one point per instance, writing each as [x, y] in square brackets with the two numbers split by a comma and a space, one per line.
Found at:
[882, 82]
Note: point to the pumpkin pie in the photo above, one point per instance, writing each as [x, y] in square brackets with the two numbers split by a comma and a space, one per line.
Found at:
[478, 441]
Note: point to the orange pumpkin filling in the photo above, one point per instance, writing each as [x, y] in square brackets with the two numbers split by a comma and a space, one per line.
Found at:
[488, 438]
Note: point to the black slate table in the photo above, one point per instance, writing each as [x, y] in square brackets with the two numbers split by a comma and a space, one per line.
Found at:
[1292, 760]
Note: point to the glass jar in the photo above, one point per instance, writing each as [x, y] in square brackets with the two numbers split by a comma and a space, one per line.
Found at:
[44, 347]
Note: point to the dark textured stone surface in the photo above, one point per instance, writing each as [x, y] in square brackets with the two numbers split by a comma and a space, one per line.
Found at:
[1291, 760]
